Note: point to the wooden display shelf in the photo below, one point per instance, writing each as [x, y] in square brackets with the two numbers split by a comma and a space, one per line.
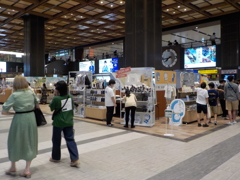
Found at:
[95, 113]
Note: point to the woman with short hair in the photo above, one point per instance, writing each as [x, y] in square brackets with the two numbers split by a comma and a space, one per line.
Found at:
[23, 134]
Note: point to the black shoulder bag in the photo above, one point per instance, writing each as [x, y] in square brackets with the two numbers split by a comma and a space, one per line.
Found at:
[56, 112]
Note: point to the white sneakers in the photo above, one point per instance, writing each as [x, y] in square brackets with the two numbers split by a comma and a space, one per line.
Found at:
[231, 123]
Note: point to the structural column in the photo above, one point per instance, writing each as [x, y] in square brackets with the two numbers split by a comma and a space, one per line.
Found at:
[34, 45]
[230, 39]
[143, 33]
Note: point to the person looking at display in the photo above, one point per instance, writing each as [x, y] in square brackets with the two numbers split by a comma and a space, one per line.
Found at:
[110, 101]
[130, 105]
[105, 67]
[202, 101]
[44, 94]
[62, 103]
[231, 94]
[213, 102]
[91, 67]
[23, 133]
[222, 99]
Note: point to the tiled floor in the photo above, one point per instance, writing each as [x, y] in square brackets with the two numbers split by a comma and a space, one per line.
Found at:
[118, 154]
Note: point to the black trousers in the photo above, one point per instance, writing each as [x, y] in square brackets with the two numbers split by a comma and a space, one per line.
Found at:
[239, 108]
[223, 106]
[109, 114]
[133, 109]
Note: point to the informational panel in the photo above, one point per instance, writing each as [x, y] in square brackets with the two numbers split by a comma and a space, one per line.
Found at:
[108, 65]
[3, 67]
[163, 78]
[178, 111]
[87, 66]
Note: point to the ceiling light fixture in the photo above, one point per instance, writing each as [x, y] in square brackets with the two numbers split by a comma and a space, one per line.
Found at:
[121, 2]
[167, 9]
[111, 5]
[101, 2]
[8, 12]
[71, 14]
[179, 6]
[173, 12]
[185, 9]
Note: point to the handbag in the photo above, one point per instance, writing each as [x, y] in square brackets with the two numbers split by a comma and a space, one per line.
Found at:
[40, 119]
[56, 112]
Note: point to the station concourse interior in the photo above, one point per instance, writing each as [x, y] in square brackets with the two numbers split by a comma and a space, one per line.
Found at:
[157, 42]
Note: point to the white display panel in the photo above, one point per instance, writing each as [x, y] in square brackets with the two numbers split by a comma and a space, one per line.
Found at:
[108, 65]
[87, 66]
[3, 67]
[200, 57]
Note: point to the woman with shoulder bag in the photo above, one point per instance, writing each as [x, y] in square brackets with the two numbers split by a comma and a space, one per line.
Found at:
[130, 105]
[62, 105]
[23, 134]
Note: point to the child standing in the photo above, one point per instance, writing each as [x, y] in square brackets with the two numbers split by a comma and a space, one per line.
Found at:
[213, 101]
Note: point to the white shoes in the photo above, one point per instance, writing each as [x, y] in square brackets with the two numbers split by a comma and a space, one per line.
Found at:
[234, 122]
[229, 123]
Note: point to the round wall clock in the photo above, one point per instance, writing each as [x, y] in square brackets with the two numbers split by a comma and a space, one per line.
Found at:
[169, 58]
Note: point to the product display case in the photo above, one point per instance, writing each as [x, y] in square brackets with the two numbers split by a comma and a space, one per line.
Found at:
[79, 84]
[140, 82]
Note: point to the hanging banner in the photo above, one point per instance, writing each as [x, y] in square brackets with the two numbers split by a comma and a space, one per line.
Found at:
[125, 70]
[121, 75]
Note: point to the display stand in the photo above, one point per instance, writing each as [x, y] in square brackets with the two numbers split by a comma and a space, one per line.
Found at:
[78, 88]
[140, 82]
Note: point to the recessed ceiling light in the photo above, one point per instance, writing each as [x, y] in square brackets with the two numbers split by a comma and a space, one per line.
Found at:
[121, 2]
[173, 12]
[65, 16]
[71, 14]
[196, 27]
[167, 9]
[185, 9]
[101, 2]
[80, 16]
[179, 6]
[111, 5]
[8, 12]
[112, 43]
[75, 19]
[13, 10]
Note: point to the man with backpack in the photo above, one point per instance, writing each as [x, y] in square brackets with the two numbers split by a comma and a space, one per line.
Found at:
[213, 102]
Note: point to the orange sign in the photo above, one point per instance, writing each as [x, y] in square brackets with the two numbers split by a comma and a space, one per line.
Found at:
[121, 71]
[121, 75]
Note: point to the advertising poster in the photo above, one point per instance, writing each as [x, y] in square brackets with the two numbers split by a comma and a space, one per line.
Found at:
[162, 78]
[200, 57]
[3, 67]
[87, 66]
[108, 65]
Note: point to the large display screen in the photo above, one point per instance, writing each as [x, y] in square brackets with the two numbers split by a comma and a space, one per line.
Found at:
[108, 65]
[87, 66]
[3, 67]
[200, 57]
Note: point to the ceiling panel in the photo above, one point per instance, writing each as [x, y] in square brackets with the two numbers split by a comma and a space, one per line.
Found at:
[95, 20]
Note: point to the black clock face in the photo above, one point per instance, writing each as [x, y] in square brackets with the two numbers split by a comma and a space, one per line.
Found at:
[169, 58]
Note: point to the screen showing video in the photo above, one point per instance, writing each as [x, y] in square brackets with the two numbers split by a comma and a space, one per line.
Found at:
[200, 57]
[87, 66]
[108, 65]
[3, 67]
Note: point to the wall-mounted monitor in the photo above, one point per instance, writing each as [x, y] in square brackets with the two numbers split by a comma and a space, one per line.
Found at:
[87, 66]
[108, 65]
[3, 67]
[200, 57]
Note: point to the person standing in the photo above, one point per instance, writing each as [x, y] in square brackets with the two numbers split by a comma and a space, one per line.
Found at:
[202, 101]
[63, 122]
[130, 105]
[239, 99]
[23, 133]
[222, 99]
[44, 94]
[213, 102]
[110, 101]
[231, 95]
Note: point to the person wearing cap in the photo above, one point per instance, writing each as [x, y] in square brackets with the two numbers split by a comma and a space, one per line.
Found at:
[110, 101]
[63, 122]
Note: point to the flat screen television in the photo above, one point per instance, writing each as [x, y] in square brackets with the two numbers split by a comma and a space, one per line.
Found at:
[3, 67]
[200, 57]
[87, 66]
[108, 65]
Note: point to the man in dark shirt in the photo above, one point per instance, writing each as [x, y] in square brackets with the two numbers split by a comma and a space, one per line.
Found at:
[222, 99]
[213, 101]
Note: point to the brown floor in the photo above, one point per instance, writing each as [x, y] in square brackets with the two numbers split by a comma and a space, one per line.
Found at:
[185, 132]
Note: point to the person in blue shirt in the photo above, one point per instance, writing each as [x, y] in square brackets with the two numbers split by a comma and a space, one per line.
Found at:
[105, 67]
[213, 101]
[91, 68]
